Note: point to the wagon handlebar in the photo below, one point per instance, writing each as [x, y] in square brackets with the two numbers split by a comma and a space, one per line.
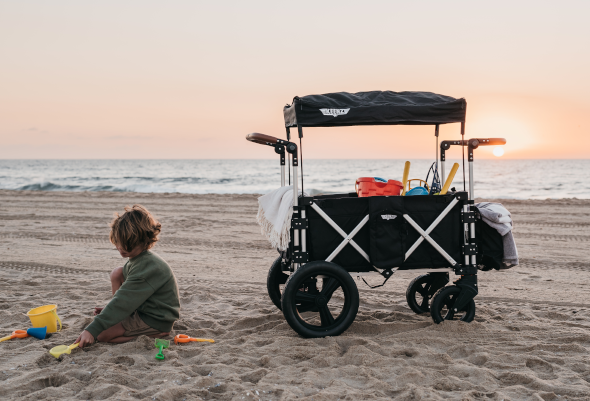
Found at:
[473, 143]
[264, 139]
[476, 142]
[280, 145]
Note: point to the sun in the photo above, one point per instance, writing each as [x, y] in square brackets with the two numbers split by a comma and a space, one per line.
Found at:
[498, 151]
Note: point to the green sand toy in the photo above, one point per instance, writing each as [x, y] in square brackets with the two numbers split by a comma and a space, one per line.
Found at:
[162, 344]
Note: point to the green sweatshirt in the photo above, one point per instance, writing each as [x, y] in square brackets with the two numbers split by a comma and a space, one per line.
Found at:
[150, 288]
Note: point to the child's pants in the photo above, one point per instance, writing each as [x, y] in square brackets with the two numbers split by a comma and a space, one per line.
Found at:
[134, 326]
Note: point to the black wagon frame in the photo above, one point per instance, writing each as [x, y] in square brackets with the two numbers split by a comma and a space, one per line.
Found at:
[334, 237]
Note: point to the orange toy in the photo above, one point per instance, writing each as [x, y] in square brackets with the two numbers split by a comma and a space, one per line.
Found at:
[183, 338]
[370, 186]
[15, 334]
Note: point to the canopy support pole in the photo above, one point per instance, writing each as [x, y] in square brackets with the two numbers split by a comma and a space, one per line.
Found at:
[436, 157]
[300, 131]
[463, 148]
[289, 156]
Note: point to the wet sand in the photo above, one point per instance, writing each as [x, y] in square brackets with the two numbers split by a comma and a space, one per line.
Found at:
[530, 338]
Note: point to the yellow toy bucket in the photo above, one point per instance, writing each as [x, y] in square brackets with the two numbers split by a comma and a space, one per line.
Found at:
[45, 316]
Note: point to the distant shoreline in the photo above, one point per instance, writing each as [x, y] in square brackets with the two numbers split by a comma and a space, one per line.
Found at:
[500, 178]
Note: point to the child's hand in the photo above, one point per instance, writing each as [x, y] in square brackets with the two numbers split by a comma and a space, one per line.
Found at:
[97, 310]
[85, 339]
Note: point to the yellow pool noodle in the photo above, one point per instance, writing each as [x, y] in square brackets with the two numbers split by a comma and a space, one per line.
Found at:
[449, 180]
[405, 179]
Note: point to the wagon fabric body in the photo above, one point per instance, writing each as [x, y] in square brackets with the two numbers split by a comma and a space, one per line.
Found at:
[337, 236]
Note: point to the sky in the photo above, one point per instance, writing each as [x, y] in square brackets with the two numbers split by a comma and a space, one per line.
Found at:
[189, 79]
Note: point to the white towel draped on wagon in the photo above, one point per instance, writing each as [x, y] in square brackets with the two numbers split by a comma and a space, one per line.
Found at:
[497, 216]
[275, 210]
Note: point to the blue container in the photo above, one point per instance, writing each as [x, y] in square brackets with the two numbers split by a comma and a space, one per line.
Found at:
[417, 191]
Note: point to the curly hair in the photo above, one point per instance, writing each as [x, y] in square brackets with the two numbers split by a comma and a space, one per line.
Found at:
[137, 226]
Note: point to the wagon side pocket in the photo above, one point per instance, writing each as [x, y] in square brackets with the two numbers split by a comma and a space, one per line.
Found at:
[387, 235]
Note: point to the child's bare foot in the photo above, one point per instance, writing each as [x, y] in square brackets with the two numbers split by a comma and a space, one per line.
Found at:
[97, 310]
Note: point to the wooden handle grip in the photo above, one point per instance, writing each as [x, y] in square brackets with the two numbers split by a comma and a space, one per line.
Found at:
[262, 139]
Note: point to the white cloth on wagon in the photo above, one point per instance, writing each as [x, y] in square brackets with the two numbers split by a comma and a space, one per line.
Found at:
[498, 217]
[275, 210]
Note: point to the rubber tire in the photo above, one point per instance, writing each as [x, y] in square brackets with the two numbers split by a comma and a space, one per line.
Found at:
[439, 299]
[411, 293]
[351, 301]
[274, 279]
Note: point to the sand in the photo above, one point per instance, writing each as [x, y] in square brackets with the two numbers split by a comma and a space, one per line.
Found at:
[530, 338]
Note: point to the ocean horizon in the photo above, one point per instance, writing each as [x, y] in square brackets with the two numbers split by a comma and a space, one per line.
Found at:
[494, 178]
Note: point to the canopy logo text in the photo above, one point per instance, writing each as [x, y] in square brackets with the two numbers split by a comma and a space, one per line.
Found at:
[334, 112]
[388, 216]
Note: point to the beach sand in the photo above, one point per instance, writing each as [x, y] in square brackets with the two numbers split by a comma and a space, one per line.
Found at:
[530, 338]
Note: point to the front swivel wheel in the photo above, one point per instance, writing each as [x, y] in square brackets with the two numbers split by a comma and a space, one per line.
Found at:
[422, 289]
[443, 306]
[320, 299]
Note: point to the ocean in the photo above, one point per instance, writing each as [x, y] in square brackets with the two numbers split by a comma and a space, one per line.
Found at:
[494, 178]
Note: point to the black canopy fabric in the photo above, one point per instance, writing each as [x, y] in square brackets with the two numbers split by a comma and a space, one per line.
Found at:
[374, 108]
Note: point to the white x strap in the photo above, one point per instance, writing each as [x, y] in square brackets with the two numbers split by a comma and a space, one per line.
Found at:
[425, 234]
[347, 237]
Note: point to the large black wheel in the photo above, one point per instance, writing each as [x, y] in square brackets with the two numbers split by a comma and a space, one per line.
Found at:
[422, 289]
[320, 299]
[443, 303]
[275, 282]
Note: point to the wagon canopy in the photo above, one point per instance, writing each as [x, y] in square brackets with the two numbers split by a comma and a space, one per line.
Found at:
[374, 108]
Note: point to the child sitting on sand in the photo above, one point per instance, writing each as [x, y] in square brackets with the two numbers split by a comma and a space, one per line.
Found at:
[145, 294]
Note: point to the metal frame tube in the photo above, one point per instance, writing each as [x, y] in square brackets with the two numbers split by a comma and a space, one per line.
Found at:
[395, 270]
[436, 158]
[295, 204]
[466, 233]
[471, 194]
[442, 173]
[295, 188]
[463, 150]
[282, 175]
[303, 235]
[288, 156]
[471, 197]
[472, 234]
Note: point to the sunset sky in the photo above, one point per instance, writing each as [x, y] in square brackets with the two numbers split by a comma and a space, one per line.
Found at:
[189, 79]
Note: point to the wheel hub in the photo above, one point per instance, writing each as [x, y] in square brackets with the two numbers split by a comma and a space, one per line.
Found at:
[320, 301]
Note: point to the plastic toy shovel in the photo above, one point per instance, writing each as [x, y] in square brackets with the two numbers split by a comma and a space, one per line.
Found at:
[183, 338]
[15, 334]
[62, 349]
[37, 332]
[162, 344]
